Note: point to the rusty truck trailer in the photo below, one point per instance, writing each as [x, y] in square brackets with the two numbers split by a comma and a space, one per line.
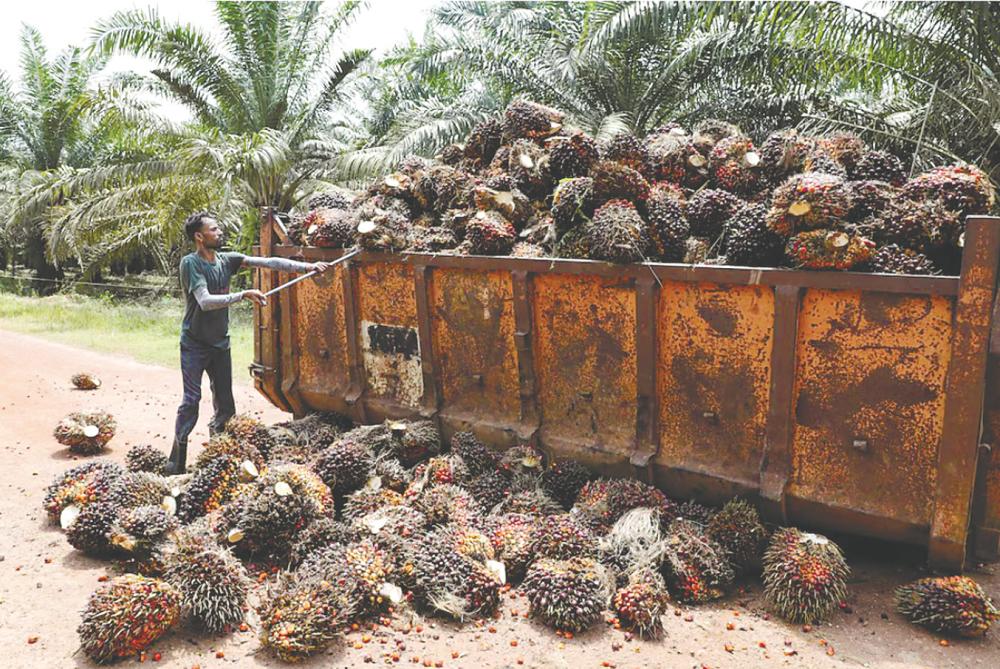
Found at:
[855, 402]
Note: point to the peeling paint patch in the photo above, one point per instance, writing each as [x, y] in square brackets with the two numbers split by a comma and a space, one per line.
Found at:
[391, 355]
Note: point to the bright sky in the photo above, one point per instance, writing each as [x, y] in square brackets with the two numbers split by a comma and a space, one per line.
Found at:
[65, 22]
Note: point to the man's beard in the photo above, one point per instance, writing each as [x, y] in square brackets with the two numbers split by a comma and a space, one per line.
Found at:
[216, 245]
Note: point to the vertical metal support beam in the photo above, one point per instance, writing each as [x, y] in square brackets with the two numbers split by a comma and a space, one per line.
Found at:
[647, 407]
[776, 461]
[289, 350]
[431, 400]
[355, 366]
[530, 419]
[958, 453]
[266, 368]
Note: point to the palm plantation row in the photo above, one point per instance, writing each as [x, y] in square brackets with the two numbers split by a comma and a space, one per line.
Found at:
[92, 176]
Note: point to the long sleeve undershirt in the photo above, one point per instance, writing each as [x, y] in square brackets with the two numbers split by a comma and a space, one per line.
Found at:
[209, 302]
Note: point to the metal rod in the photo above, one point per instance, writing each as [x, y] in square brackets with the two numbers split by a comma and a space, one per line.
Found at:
[309, 274]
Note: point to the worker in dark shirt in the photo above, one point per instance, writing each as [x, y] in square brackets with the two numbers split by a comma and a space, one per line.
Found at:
[205, 276]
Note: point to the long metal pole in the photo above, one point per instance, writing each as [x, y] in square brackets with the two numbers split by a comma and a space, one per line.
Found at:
[309, 274]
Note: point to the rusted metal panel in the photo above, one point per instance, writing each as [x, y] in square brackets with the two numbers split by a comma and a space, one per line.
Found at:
[524, 346]
[713, 378]
[586, 364]
[647, 399]
[320, 337]
[869, 401]
[473, 316]
[267, 356]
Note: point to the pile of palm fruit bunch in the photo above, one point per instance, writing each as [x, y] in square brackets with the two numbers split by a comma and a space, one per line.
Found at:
[525, 183]
[362, 524]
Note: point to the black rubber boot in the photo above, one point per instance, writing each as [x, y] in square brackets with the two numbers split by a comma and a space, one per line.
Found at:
[177, 463]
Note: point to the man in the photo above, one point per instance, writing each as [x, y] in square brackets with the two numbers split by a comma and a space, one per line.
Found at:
[205, 276]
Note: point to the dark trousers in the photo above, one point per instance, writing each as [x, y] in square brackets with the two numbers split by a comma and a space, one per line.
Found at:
[195, 361]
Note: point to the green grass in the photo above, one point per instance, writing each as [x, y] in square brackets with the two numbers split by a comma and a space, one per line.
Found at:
[147, 331]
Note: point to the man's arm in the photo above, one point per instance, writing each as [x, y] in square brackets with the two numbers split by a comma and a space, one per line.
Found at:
[209, 302]
[281, 264]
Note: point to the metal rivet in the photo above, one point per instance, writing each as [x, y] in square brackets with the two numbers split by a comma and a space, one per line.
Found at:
[586, 394]
[324, 354]
[860, 444]
[710, 416]
[478, 379]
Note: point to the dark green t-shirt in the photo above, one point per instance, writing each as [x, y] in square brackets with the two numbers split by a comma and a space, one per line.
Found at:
[207, 328]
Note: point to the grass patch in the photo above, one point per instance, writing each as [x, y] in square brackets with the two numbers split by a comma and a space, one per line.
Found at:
[146, 331]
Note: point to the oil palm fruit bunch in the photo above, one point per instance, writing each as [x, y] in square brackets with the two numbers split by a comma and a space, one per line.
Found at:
[329, 200]
[673, 157]
[361, 566]
[392, 527]
[525, 119]
[640, 603]
[133, 489]
[807, 202]
[478, 457]
[319, 533]
[414, 441]
[919, 225]
[362, 502]
[265, 523]
[869, 199]
[385, 231]
[708, 210]
[575, 243]
[510, 202]
[329, 228]
[490, 234]
[211, 486]
[78, 487]
[226, 445]
[244, 428]
[564, 480]
[300, 618]
[213, 585]
[344, 466]
[829, 250]
[447, 503]
[528, 165]
[125, 615]
[614, 181]
[568, 595]
[667, 226]
[572, 156]
[139, 530]
[878, 166]
[562, 536]
[510, 535]
[146, 458]
[489, 489]
[893, 259]
[606, 500]
[483, 142]
[464, 540]
[845, 147]
[626, 149]
[448, 582]
[522, 463]
[738, 529]
[951, 605]
[432, 239]
[735, 165]
[89, 531]
[962, 188]
[442, 470]
[710, 132]
[440, 188]
[699, 513]
[697, 568]
[572, 202]
[749, 241]
[618, 233]
[784, 153]
[805, 575]
[391, 474]
[528, 500]
[86, 433]
[302, 481]
[634, 542]
[822, 162]
[85, 381]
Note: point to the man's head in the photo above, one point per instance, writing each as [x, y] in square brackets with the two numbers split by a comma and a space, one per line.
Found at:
[202, 228]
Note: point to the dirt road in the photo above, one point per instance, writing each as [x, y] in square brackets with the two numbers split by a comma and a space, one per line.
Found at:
[44, 583]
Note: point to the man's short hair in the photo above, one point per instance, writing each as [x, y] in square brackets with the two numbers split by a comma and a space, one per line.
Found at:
[195, 221]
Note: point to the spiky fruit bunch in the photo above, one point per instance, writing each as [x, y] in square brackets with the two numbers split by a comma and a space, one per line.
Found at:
[564, 480]
[667, 226]
[805, 575]
[329, 228]
[893, 259]
[869, 198]
[126, 615]
[448, 582]
[330, 200]
[735, 165]
[393, 526]
[266, 522]
[784, 153]
[614, 181]
[478, 457]
[562, 536]
[963, 188]
[640, 604]
[303, 617]
[512, 204]
[673, 157]
[626, 149]
[522, 462]
[302, 481]
[86, 433]
[879, 166]
[569, 594]
[320, 533]
[919, 225]
[432, 239]
[618, 233]
[483, 141]
[829, 249]
[447, 504]
[604, 501]
[211, 486]
[246, 429]
[528, 165]
[228, 446]
[697, 568]
[709, 209]
[133, 489]
[467, 541]
[808, 202]
[89, 531]
[385, 231]
[362, 566]
[213, 586]
[749, 241]
[738, 529]
[710, 132]
[846, 148]
[510, 535]
[80, 486]
[315, 430]
[489, 489]
[146, 458]
[572, 202]
[525, 119]
[85, 381]
[440, 188]
[822, 162]
[392, 474]
[693, 511]
[442, 470]
[529, 500]
[575, 243]
[951, 605]
[415, 441]
[490, 234]
[138, 530]
[344, 466]
[362, 502]
[572, 156]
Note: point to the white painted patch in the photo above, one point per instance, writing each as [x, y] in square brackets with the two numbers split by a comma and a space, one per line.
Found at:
[393, 370]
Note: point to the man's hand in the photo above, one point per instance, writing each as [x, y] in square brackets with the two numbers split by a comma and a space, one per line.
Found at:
[319, 267]
[255, 296]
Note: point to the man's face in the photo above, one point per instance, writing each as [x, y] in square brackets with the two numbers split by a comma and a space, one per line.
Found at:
[210, 234]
